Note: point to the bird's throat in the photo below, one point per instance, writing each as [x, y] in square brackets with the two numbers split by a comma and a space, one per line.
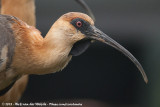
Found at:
[80, 47]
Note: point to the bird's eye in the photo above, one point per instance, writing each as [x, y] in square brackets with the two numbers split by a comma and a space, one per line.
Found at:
[79, 24]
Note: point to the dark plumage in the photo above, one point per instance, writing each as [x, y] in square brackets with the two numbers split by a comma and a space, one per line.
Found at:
[7, 37]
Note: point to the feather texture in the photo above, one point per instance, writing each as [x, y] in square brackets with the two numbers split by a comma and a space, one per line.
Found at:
[7, 40]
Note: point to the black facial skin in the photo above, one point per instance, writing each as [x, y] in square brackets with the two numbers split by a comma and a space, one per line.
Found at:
[85, 25]
[82, 45]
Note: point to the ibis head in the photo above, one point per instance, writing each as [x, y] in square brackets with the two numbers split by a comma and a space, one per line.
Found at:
[77, 30]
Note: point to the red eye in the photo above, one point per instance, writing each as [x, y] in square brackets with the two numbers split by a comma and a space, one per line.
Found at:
[79, 24]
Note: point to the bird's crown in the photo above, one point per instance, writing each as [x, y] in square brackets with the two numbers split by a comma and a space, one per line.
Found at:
[73, 15]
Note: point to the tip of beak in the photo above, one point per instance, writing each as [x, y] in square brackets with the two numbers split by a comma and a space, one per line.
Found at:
[144, 76]
[143, 73]
[146, 80]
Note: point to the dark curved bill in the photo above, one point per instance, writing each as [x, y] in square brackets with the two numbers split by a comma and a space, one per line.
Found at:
[96, 34]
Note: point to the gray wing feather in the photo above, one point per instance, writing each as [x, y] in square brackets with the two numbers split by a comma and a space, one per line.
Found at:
[6, 40]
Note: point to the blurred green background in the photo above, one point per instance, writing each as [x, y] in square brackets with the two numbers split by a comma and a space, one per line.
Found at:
[102, 75]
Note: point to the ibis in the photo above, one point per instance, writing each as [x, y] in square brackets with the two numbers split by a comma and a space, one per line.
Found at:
[24, 51]
[24, 10]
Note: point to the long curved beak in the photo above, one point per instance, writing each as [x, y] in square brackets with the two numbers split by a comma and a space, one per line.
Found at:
[96, 34]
